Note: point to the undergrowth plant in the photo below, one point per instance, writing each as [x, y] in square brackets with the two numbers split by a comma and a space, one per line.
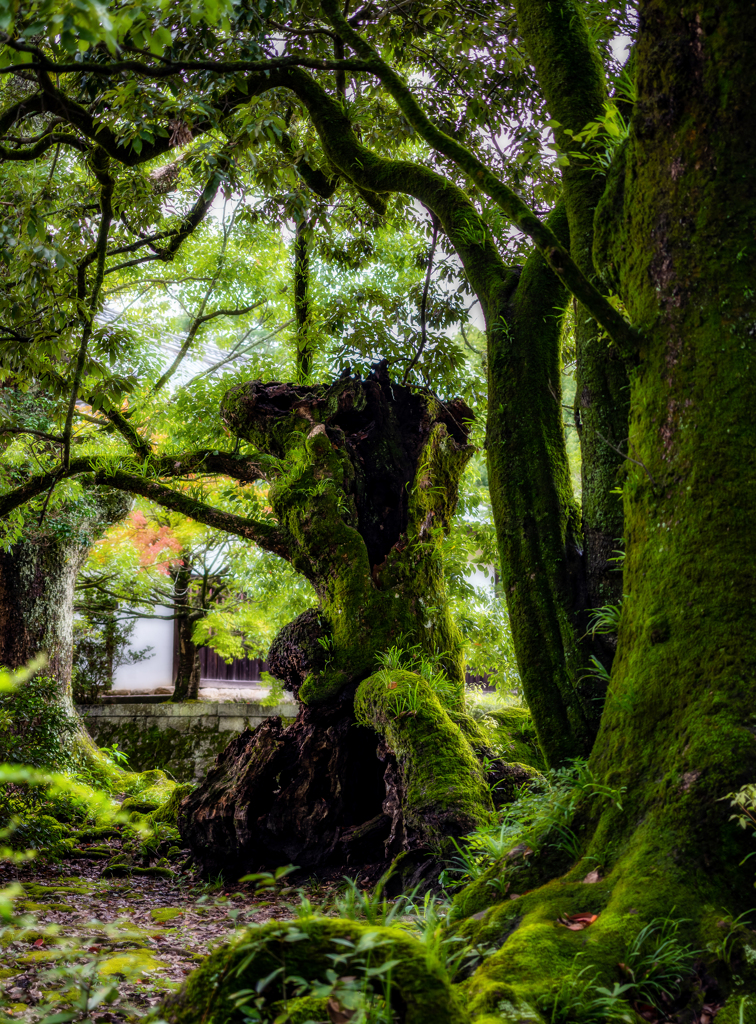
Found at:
[413, 659]
[542, 815]
[656, 965]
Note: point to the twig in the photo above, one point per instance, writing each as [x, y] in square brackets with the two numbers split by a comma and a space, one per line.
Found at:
[424, 300]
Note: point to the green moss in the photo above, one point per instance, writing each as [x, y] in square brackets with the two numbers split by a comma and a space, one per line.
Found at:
[304, 1010]
[127, 870]
[515, 733]
[39, 891]
[167, 812]
[305, 949]
[161, 914]
[445, 790]
[31, 907]
[140, 804]
[131, 964]
[85, 835]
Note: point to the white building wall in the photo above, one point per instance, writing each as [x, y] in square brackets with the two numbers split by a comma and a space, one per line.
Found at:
[157, 670]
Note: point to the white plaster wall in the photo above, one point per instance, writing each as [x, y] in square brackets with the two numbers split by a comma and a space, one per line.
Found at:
[157, 670]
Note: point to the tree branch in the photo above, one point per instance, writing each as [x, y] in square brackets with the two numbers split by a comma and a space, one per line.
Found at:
[181, 464]
[198, 322]
[557, 257]
[228, 67]
[53, 139]
[100, 168]
[424, 300]
[267, 535]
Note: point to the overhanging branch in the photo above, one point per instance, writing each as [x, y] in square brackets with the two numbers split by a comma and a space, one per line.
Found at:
[267, 535]
[557, 257]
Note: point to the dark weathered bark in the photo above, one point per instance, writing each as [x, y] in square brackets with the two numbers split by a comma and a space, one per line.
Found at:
[351, 785]
[363, 491]
[292, 795]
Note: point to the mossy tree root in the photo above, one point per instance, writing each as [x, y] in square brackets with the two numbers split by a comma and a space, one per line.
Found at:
[440, 783]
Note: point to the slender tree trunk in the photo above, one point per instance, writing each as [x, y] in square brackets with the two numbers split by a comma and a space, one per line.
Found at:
[537, 518]
[188, 673]
[301, 300]
[572, 80]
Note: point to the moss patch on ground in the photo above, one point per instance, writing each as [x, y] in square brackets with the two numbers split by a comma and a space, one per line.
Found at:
[161, 914]
[131, 964]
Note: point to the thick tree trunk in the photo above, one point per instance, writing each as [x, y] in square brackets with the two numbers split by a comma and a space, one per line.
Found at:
[675, 234]
[37, 578]
[367, 484]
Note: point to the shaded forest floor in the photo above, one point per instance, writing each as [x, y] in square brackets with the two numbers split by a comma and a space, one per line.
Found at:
[125, 941]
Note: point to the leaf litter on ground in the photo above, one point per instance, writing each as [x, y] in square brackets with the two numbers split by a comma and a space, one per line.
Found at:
[118, 945]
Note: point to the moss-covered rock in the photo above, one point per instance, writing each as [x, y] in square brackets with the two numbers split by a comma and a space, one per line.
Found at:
[131, 964]
[305, 949]
[167, 812]
[515, 734]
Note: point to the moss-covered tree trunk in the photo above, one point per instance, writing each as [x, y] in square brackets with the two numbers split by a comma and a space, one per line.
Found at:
[364, 483]
[37, 581]
[675, 236]
[364, 487]
[37, 578]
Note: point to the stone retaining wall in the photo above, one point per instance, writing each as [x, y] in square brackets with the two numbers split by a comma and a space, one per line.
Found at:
[182, 739]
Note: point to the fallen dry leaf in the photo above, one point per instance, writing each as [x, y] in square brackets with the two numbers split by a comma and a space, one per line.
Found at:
[522, 850]
[336, 1014]
[392, 685]
[577, 922]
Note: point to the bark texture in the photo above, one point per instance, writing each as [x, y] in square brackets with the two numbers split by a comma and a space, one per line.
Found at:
[365, 483]
[37, 579]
